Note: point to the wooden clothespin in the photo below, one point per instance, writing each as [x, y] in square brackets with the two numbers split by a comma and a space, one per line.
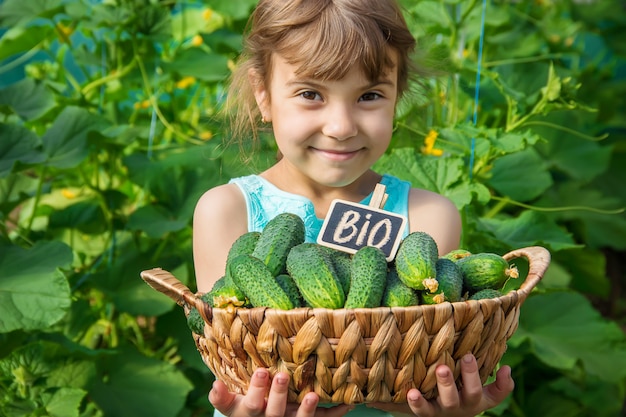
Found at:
[379, 197]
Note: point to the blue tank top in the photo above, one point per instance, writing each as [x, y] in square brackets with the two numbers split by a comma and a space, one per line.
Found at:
[264, 201]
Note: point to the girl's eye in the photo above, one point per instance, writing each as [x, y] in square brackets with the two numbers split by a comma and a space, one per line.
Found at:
[309, 95]
[370, 96]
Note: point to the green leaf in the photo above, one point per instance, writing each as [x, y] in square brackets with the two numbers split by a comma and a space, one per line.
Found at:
[436, 174]
[19, 39]
[237, 10]
[597, 229]
[432, 13]
[34, 294]
[563, 329]
[122, 284]
[18, 144]
[552, 90]
[65, 142]
[156, 221]
[136, 385]
[521, 176]
[74, 373]
[463, 194]
[64, 402]
[195, 62]
[86, 216]
[588, 270]
[18, 12]
[578, 158]
[27, 98]
[14, 190]
[528, 229]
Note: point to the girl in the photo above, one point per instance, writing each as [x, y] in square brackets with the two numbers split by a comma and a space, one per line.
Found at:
[327, 75]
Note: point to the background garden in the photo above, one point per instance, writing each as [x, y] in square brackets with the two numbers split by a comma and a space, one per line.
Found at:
[109, 134]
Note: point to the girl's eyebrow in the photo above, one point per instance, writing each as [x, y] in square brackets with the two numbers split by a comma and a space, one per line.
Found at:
[317, 85]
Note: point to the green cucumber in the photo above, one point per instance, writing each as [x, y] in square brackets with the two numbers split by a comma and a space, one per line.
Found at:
[415, 261]
[485, 270]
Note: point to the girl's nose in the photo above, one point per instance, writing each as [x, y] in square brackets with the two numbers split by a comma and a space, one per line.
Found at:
[340, 123]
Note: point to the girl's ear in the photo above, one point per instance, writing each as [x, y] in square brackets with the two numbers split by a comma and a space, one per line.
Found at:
[261, 95]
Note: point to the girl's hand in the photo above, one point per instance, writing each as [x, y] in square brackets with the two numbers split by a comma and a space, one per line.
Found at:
[471, 400]
[257, 402]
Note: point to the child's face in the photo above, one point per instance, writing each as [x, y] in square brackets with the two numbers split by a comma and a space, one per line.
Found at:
[330, 131]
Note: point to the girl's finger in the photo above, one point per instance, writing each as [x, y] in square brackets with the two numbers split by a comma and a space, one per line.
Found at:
[448, 393]
[253, 402]
[277, 398]
[472, 391]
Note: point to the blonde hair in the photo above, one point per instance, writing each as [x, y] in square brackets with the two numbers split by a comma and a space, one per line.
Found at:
[324, 39]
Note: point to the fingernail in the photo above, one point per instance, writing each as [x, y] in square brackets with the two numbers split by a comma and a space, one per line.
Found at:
[261, 373]
[412, 396]
[467, 358]
[281, 379]
[443, 372]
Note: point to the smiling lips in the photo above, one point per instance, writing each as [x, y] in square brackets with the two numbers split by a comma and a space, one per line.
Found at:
[336, 155]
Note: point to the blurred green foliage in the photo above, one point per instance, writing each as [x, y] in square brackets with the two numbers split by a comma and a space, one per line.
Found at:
[109, 134]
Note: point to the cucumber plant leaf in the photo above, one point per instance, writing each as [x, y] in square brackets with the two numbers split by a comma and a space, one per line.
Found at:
[27, 98]
[564, 329]
[34, 293]
[136, 385]
[528, 229]
[431, 173]
[520, 176]
[18, 144]
[65, 142]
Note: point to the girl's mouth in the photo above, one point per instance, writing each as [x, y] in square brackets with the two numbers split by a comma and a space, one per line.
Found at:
[336, 155]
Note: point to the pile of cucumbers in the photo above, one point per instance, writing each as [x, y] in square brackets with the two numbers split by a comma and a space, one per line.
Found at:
[276, 268]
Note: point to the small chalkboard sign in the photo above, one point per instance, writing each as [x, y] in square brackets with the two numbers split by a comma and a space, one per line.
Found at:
[350, 226]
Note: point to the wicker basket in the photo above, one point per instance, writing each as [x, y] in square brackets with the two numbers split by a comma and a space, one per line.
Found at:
[360, 355]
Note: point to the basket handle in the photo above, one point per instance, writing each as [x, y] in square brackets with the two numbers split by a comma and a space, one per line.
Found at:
[163, 281]
[538, 262]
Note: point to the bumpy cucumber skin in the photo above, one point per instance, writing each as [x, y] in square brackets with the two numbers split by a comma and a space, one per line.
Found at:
[450, 281]
[244, 245]
[279, 235]
[368, 275]
[195, 320]
[483, 270]
[457, 254]
[291, 289]
[256, 281]
[342, 262]
[486, 293]
[397, 294]
[313, 271]
[416, 259]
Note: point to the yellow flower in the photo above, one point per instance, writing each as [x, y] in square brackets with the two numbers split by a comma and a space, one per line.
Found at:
[185, 82]
[206, 135]
[196, 40]
[67, 193]
[64, 31]
[231, 65]
[207, 14]
[429, 144]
